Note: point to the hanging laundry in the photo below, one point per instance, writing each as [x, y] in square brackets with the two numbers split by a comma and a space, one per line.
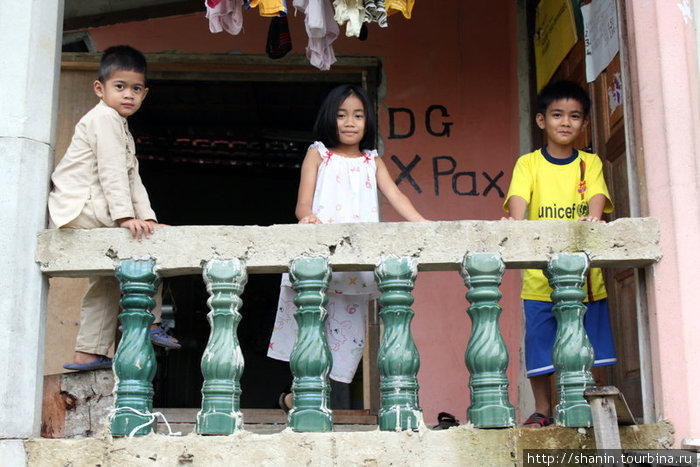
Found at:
[363, 32]
[268, 7]
[352, 12]
[225, 15]
[321, 29]
[375, 12]
[279, 41]
[402, 6]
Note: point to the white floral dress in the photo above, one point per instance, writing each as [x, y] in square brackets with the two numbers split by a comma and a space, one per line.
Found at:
[346, 191]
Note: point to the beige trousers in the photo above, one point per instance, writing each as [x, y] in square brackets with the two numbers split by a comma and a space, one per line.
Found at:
[100, 304]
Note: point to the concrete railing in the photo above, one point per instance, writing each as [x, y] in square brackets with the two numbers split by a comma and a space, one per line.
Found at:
[225, 255]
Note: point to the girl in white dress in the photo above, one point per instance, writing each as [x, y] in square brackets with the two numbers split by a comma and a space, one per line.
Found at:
[339, 181]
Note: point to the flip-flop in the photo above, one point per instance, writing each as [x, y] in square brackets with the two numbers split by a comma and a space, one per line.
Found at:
[160, 338]
[163, 339]
[99, 363]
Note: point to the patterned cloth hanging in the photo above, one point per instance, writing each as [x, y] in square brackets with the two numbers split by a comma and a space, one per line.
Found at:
[375, 12]
[279, 41]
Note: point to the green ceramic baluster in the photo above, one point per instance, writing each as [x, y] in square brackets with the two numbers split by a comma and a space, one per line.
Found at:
[311, 358]
[487, 355]
[572, 355]
[398, 359]
[134, 361]
[222, 362]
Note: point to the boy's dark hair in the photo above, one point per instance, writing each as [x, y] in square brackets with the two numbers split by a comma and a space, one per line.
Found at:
[562, 90]
[326, 126]
[120, 57]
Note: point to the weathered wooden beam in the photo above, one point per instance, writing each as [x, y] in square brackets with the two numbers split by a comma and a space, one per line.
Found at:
[78, 15]
[608, 408]
[436, 245]
[231, 66]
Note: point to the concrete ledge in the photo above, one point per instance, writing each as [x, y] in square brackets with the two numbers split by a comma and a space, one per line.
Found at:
[436, 245]
[457, 446]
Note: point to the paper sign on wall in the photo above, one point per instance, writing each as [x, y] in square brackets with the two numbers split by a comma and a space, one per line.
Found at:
[555, 35]
[600, 34]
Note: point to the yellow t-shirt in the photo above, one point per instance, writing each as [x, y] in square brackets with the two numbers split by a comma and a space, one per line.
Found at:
[558, 189]
[403, 6]
[269, 7]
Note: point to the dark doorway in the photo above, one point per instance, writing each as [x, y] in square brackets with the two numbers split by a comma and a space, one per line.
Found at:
[224, 153]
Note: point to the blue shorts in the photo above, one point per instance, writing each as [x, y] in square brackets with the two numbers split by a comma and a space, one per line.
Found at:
[541, 329]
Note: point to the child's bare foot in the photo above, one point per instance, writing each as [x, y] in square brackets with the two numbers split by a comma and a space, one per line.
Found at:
[285, 401]
[163, 339]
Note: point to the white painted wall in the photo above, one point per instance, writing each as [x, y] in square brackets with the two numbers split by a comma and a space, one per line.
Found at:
[30, 33]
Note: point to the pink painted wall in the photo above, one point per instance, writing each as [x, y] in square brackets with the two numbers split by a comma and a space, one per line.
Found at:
[665, 90]
[461, 56]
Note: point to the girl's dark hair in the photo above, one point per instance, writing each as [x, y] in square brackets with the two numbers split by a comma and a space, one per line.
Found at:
[121, 57]
[562, 90]
[326, 126]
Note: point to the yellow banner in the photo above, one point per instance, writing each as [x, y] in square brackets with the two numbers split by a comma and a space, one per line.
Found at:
[555, 35]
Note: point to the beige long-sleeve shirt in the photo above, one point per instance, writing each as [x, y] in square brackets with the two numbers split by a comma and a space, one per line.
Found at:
[99, 167]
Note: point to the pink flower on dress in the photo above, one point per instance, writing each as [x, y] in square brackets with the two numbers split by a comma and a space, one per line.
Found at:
[327, 157]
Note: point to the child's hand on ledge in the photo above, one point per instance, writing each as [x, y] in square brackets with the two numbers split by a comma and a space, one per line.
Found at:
[138, 227]
[591, 219]
[310, 219]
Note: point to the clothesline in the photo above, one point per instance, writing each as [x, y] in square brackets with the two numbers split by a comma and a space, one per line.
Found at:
[322, 22]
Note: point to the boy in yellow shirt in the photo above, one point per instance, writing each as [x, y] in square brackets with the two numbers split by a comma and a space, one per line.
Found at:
[562, 183]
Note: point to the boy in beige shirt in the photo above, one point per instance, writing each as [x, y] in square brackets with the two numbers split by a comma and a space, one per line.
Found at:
[97, 184]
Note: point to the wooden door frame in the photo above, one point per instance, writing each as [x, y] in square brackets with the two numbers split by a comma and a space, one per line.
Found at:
[634, 197]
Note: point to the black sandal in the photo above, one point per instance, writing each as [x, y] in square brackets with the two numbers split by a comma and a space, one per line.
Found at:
[282, 403]
[539, 420]
[445, 421]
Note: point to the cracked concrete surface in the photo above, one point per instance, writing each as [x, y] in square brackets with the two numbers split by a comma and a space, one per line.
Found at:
[458, 446]
[435, 245]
